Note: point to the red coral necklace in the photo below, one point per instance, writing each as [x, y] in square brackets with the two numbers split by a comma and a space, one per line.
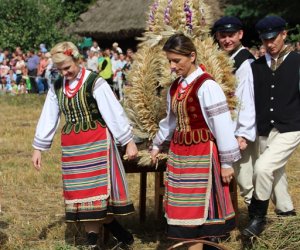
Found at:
[182, 90]
[70, 92]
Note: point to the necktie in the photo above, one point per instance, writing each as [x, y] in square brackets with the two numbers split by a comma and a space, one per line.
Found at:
[276, 63]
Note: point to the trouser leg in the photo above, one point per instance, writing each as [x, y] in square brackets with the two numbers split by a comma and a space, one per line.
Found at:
[280, 196]
[244, 171]
[270, 164]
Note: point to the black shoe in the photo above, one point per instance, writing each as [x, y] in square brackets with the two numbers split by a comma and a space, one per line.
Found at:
[119, 232]
[287, 213]
[92, 239]
[255, 227]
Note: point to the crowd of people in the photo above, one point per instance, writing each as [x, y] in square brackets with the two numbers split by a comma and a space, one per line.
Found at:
[34, 72]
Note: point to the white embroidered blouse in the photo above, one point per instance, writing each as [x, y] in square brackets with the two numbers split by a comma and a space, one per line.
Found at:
[216, 114]
[111, 110]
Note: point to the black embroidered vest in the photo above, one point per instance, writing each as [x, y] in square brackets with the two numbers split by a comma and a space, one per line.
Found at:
[277, 96]
[81, 111]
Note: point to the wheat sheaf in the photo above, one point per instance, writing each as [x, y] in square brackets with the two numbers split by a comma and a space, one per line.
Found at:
[150, 75]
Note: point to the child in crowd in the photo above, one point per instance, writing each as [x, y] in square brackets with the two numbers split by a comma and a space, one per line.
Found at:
[14, 88]
[22, 86]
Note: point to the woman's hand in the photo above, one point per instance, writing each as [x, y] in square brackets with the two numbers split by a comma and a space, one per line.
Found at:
[227, 174]
[154, 153]
[242, 142]
[37, 159]
[131, 150]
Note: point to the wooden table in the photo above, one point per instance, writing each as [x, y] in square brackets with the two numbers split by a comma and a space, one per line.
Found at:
[132, 167]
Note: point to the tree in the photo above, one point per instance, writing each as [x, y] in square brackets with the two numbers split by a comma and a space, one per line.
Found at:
[250, 11]
[28, 23]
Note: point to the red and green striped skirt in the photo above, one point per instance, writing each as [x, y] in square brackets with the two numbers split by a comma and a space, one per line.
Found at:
[94, 182]
[197, 203]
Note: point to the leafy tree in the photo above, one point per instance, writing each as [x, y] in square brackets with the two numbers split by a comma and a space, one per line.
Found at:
[250, 11]
[27, 23]
[74, 8]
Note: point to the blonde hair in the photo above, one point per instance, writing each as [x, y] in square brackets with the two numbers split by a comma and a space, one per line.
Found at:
[64, 51]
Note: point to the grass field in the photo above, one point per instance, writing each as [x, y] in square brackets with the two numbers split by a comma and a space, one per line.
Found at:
[32, 212]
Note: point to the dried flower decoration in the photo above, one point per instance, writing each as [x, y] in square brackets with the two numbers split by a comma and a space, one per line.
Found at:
[188, 15]
[167, 12]
[68, 52]
[151, 15]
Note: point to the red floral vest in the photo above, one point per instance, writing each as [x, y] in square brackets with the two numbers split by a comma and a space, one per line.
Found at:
[191, 127]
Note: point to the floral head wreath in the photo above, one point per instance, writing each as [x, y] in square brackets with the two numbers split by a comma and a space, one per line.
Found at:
[72, 53]
[68, 52]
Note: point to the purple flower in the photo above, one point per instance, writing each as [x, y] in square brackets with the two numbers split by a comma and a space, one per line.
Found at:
[188, 15]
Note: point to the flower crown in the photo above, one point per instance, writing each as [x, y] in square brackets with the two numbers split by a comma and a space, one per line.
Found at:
[68, 52]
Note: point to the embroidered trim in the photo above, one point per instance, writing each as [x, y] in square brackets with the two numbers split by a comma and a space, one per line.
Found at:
[195, 136]
[89, 199]
[217, 109]
[230, 155]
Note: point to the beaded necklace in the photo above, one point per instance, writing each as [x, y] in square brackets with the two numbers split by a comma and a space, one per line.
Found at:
[71, 92]
[182, 90]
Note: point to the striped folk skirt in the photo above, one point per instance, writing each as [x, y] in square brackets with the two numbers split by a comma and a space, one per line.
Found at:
[94, 182]
[197, 203]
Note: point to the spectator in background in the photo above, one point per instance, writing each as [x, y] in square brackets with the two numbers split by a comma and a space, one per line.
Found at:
[116, 48]
[22, 87]
[7, 86]
[4, 68]
[2, 57]
[27, 80]
[2, 85]
[105, 68]
[41, 82]
[127, 66]
[10, 77]
[254, 51]
[92, 61]
[14, 88]
[262, 50]
[95, 47]
[100, 57]
[32, 65]
[20, 64]
[114, 67]
[18, 51]
[7, 54]
[119, 74]
[48, 71]
[43, 48]
[129, 54]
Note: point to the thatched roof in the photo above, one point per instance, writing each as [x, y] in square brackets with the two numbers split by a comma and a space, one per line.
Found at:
[119, 19]
[114, 19]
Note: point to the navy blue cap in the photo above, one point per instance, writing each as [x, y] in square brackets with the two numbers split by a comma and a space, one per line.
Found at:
[270, 26]
[227, 24]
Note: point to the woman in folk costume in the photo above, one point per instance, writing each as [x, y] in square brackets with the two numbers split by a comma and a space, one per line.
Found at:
[94, 181]
[202, 150]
